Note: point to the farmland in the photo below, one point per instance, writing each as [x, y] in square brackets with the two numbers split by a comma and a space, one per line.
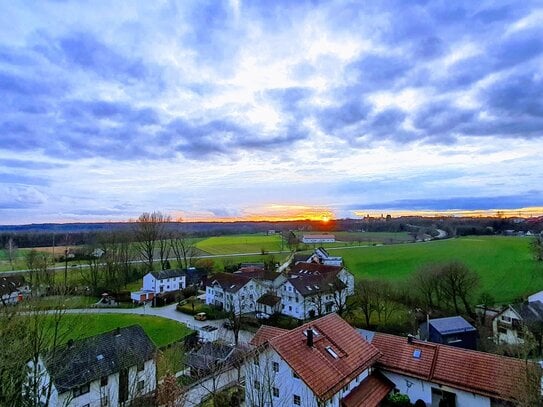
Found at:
[255, 243]
[504, 264]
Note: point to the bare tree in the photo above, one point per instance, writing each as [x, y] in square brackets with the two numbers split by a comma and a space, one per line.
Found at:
[385, 300]
[38, 268]
[148, 230]
[11, 251]
[170, 393]
[426, 281]
[459, 283]
[365, 298]
[183, 249]
[93, 274]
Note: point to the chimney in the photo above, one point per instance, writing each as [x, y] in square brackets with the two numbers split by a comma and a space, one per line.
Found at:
[410, 339]
[309, 333]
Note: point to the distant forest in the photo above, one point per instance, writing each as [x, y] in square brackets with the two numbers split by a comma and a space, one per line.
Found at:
[48, 234]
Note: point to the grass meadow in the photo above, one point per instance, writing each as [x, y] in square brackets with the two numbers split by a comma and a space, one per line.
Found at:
[505, 264]
[162, 331]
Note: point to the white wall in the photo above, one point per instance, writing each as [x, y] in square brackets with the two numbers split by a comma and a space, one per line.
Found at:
[287, 384]
[511, 335]
[421, 389]
[167, 284]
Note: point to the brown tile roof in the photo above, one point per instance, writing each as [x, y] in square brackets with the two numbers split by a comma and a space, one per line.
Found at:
[269, 299]
[308, 285]
[265, 333]
[314, 268]
[477, 372]
[321, 372]
[369, 393]
[258, 274]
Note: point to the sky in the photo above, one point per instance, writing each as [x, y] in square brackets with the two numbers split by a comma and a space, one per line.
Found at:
[258, 109]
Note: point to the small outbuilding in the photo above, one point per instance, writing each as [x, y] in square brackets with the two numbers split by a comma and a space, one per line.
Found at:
[453, 331]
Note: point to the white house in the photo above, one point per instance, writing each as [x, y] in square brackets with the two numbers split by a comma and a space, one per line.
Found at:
[312, 269]
[111, 369]
[308, 291]
[324, 363]
[310, 239]
[509, 324]
[328, 363]
[159, 282]
[308, 296]
[321, 256]
[13, 289]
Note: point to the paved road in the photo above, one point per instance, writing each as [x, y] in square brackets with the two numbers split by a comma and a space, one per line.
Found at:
[170, 312]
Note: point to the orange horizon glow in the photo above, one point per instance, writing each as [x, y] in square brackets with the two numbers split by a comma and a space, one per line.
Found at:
[277, 213]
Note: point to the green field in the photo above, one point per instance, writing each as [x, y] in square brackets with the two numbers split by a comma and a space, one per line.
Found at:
[161, 330]
[504, 264]
[240, 244]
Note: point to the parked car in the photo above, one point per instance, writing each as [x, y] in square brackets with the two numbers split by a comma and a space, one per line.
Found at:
[262, 315]
[201, 316]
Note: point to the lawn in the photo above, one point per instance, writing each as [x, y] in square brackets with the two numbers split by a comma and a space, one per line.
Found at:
[253, 243]
[162, 331]
[504, 264]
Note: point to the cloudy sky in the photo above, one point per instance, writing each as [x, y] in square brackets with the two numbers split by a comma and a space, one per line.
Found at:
[235, 109]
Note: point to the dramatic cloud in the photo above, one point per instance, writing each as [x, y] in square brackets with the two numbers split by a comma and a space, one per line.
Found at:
[111, 109]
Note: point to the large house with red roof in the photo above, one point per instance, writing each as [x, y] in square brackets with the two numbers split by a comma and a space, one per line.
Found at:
[328, 363]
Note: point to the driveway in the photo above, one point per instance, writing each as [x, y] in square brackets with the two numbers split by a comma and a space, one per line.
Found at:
[170, 312]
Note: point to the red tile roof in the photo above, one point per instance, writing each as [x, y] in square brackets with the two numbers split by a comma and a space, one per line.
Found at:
[477, 372]
[321, 372]
[369, 393]
[265, 333]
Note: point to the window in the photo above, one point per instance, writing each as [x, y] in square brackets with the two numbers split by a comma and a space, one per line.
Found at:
[87, 405]
[141, 366]
[256, 361]
[275, 392]
[290, 307]
[295, 375]
[78, 391]
[141, 385]
[346, 388]
[257, 385]
[506, 319]
[275, 366]
[103, 381]
[297, 400]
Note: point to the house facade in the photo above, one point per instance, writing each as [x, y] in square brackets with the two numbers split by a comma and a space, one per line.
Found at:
[159, 282]
[329, 366]
[311, 239]
[306, 367]
[300, 295]
[111, 369]
[508, 325]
